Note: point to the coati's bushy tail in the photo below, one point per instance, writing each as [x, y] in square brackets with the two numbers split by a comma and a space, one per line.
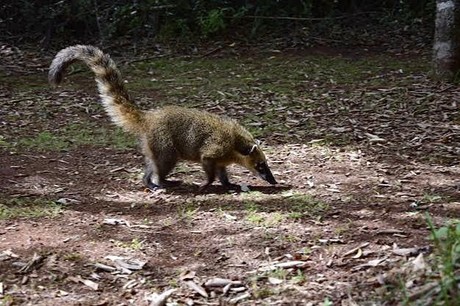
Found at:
[115, 98]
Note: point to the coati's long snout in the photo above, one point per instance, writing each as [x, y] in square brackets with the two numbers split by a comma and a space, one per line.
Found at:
[264, 172]
[169, 134]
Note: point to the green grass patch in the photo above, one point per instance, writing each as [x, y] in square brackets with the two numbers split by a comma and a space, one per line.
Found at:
[25, 82]
[184, 77]
[270, 93]
[28, 208]
[44, 141]
[76, 135]
[3, 142]
[303, 205]
[257, 216]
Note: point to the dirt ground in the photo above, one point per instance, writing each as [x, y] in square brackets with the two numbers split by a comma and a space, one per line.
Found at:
[344, 225]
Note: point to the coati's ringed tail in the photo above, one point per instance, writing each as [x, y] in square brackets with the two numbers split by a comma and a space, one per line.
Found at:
[169, 134]
[112, 91]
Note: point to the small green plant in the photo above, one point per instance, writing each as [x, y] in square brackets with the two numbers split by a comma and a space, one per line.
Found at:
[3, 142]
[188, 211]
[262, 292]
[327, 302]
[306, 251]
[343, 228]
[446, 240]
[252, 207]
[299, 278]
[295, 215]
[274, 218]
[135, 244]
[255, 217]
[279, 273]
[441, 280]
[431, 198]
[72, 257]
[212, 22]
[173, 283]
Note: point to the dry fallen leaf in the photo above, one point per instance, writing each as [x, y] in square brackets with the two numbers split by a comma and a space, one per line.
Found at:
[284, 265]
[408, 251]
[218, 282]
[187, 275]
[358, 248]
[197, 288]
[32, 263]
[160, 299]
[371, 263]
[87, 282]
[418, 264]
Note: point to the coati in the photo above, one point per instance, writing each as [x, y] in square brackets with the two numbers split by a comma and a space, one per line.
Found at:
[171, 133]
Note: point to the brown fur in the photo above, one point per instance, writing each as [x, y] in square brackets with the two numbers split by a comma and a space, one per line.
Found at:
[171, 133]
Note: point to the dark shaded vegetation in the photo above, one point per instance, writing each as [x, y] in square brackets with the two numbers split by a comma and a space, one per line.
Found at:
[297, 22]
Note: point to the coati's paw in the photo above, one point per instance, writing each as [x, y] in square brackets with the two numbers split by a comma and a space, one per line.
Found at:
[153, 187]
[164, 184]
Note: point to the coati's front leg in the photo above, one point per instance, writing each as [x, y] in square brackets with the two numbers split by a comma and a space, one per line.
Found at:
[209, 167]
[223, 177]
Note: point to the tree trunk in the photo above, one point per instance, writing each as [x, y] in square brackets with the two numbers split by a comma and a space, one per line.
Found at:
[446, 47]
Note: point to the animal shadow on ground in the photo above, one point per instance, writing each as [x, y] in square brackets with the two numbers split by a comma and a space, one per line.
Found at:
[191, 189]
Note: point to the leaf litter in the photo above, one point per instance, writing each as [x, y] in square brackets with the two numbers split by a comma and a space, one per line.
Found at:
[367, 149]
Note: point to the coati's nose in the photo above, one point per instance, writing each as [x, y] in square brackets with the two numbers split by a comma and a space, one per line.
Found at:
[265, 173]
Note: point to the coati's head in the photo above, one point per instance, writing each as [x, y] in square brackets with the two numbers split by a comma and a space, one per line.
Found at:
[253, 158]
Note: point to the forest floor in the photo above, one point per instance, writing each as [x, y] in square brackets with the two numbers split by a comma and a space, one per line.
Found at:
[364, 146]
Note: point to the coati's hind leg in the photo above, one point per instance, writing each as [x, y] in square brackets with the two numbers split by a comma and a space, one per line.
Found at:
[157, 170]
[150, 171]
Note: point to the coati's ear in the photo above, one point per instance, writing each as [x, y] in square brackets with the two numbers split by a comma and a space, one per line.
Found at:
[246, 149]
